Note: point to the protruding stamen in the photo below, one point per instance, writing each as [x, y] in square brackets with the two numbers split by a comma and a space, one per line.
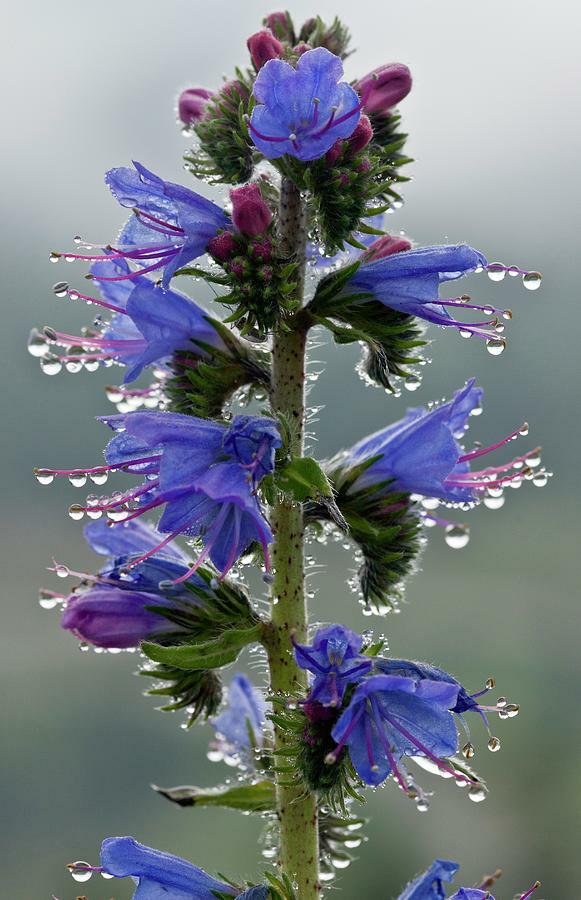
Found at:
[531, 890]
[482, 451]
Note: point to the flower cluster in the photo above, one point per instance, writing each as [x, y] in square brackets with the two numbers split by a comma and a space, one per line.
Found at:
[430, 885]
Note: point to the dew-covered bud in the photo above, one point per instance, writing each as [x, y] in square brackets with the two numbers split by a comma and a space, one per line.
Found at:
[281, 25]
[383, 88]
[263, 46]
[360, 137]
[250, 213]
[192, 104]
[386, 245]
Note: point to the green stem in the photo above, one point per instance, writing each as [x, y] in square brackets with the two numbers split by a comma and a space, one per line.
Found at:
[297, 810]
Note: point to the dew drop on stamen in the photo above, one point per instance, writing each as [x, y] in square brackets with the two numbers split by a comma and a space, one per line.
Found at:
[44, 477]
[80, 871]
[457, 536]
[493, 744]
[494, 502]
[513, 271]
[524, 429]
[76, 512]
[540, 479]
[532, 281]
[37, 345]
[47, 602]
[61, 571]
[465, 334]
[495, 346]
[73, 295]
[468, 751]
[51, 365]
[54, 257]
[496, 271]
[117, 515]
[60, 289]
[91, 365]
[99, 477]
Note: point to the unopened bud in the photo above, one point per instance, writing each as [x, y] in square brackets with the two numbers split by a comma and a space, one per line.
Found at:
[383, 88]
[361, 136]
[386, 245]
[281, 25]
[263, 46]
[223, 247]
[192, 104]
[250, 213]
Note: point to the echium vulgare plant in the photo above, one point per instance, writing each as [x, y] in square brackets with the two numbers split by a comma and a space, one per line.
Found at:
[314, 164]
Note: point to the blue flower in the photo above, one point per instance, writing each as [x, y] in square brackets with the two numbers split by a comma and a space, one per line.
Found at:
[148, 327]
[303, 111]
[161, 875]
[429, 885]
[208, 474]
[421, 454]
[240, 726]
[113, 607]
[409, 282]
[389, 717]
[335, 661]
[171, 225]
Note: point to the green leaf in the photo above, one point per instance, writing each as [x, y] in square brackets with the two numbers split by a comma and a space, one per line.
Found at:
[256, 798]
[304, 478]
[207, 655]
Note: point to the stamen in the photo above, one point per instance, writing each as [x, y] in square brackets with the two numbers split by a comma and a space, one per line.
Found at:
[334, 754]
[130, 275]
[441, 765]
[117, 467]
[482, 451]
[531, 890]
[264, 137]
[73, 340]
[211, 540]
[391, 758]
[144, 215]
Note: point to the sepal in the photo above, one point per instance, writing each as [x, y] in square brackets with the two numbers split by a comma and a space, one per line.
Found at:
[199, 692]
[391, 338]
[258, 797]
[213, 654]
[334, 37]
[226, 154]
[203, 386]
[385, 526]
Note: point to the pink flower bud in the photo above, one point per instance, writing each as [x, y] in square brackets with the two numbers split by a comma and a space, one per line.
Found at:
[192, 104]
[263, 46]
[223, 247]
[250, 214]
[384, 87]
[278, 23]
[386, 245]
[301, 48]
[361, 136]
[334, 153]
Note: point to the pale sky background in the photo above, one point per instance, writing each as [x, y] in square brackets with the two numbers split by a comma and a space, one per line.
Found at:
[494, 128]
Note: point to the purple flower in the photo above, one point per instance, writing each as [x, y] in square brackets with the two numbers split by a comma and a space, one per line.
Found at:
[335, 661]
[205, 473]
[240, 726]
[389, 717]
[384, 87]
[421, 454]
[302, 111]
[409, 282]
[250, 214]
[149, 325]
[170, 226]
[429, 885]
[192, 104]
[112, 608]
[263, 46]
[160, 874]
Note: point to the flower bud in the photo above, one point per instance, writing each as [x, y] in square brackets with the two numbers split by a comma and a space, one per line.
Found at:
[192, 104]
[223, 247]
[113, 617]
[361, 136]
[383, 88]
[301, 48]
[263, 46]
[386, 245]
[280, 25]
[250, 214]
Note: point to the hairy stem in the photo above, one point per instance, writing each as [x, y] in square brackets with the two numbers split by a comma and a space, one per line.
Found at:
[297, 812]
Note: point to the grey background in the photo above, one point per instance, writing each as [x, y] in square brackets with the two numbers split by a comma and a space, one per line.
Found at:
[494, 128]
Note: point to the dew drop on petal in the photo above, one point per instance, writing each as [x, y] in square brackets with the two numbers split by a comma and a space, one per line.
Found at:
[412, 382]
[81, 871]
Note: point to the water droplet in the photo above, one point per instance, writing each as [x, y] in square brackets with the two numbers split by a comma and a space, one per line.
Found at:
[532, 281]
[341, 863]
[60, 288]
[496, 271]
[540, 479]
[81, 871]
[99, 477]
[76, 512]
[412, 382]
[45, 601]
[513, 271]
[106, 876]
[422, 804]
[494, 502]
[512, 710]
[43, 477]
[501, 702]
[61, 571]
[524, 429]
[490, 683]
[37, 344]
[465, 334]
[54, 257]
[79, 479]
[51, 365]
[457, 536]
[507, 314]
[477, 793]
[495, 346]
[468, 751]
[117, 515]
[493, 744]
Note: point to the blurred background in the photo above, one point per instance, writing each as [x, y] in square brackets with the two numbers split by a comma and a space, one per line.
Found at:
[494, 128]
